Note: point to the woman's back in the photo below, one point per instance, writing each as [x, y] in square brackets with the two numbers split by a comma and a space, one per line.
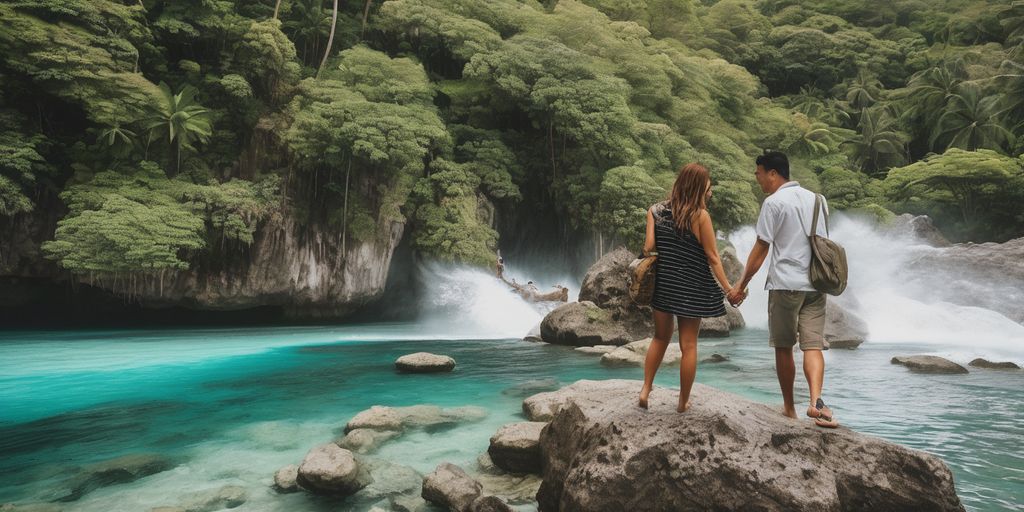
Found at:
[683, 283]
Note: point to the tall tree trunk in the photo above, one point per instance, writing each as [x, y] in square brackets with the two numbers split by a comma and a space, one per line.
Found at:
[344, 214]
[277, 8]
[366, 15]
[330, 40]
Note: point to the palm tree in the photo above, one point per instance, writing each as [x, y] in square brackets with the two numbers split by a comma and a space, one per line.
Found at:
[330, 39]
[308, 26]
[179, 117]
[1013, 22]
[816, 137]
[878, 144]
[118, 138]
[972, 121]
[865, 90]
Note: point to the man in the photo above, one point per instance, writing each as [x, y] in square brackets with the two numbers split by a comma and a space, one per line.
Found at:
[796, 311]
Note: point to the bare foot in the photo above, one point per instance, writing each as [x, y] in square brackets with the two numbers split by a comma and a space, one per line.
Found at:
[644, 393]
[683, 408]
[789, 412]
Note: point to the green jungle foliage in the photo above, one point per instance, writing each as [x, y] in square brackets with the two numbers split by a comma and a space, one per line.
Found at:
[172, 130]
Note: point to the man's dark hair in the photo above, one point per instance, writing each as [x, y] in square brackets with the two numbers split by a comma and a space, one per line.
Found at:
[775, 161]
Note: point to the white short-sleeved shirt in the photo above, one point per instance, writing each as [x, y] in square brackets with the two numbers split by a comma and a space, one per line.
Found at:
[780, 225]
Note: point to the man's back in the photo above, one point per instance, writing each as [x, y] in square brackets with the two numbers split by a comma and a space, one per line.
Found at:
[785, 222]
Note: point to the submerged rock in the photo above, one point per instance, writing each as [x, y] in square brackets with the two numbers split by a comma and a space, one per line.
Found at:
[30, 507]
[516, 447]
[716, 358]
[416, 416]
[635, 353]
[928, 364]
[516, 488]
[226, 497]
[285, 479]
[397, 484]
[532, 386]
[449, 486]
[984, 363]
[601, 453]
[424, 362]
[596, 349]
[366, 440]
[489, 504]
[121, 470]
[330, 469]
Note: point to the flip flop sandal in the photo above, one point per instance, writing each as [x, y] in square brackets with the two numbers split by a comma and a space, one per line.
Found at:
[820, 418]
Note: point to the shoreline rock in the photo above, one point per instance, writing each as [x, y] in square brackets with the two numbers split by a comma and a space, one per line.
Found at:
[515, 447]
[984, 363]
[601, 454]
[633, 354]
[331, 470]
[929, 364]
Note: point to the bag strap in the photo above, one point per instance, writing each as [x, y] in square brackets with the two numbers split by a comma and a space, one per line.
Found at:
[814, 223]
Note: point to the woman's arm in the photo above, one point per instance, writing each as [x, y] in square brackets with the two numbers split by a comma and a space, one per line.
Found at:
[707, 241]
[649, 244]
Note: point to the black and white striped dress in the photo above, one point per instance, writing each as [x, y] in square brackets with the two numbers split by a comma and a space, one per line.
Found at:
[683, 283]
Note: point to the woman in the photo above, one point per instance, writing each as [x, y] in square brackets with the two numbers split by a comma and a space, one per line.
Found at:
[685, 281]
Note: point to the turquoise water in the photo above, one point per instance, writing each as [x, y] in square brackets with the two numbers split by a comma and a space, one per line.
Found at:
[231, 406]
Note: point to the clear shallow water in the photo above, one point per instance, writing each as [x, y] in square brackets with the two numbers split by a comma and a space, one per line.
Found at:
[231, 406]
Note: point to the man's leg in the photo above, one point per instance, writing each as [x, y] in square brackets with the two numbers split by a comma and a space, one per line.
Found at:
[785, 367]
[812, 343]
[814, 370]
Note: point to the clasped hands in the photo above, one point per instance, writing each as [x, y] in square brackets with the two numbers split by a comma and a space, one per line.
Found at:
[736, 295]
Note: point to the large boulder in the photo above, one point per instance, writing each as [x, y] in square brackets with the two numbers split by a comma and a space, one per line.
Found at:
[634, 354]
[928, 364]
[125, 469]
[843, 329]
[424, 362]
[916, 227]
[516, 447]
[331, 470]
[601, 453]
[582, 324]
[450, 487]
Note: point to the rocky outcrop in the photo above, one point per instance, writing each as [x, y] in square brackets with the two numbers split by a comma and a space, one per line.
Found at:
[601, 453]
[606, 315]
[331, 470]
[415, 416]
[988, 275]
[634, 354]
[984, 363]
[515, 447]
[544, 406]
[424, 362]
[928, 364]
[121, 470]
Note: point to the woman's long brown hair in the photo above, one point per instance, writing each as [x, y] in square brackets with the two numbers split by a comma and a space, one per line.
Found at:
[688, 195]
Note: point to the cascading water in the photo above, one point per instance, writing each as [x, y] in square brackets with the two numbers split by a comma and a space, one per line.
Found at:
[467, 302]
[898, 305]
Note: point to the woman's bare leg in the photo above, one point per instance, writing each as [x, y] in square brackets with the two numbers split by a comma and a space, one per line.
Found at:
[688, 330]
[656, 352]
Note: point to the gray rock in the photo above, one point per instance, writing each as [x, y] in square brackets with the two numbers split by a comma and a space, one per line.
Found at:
[843, 328]
[984, 363]
[716, 358]
[534, 334]
[731, 264]
[719, 326]
[596, 349]
[532, 386]
[601, 453]
[516, 447]
[928, 364]
[544, 406]
[449, 486]
[285, 479]
[583, 324]
[417, 416]
[734, 317]
[226, 497]
[424, 362]
[331, 470]
[366, 440]
[634, 354]
[489, 504]
[121, 470]
[918, 227]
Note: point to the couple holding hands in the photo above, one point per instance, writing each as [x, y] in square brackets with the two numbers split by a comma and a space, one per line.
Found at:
[690, 282]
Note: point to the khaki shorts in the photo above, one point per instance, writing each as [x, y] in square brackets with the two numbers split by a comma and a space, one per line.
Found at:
[794, 312]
